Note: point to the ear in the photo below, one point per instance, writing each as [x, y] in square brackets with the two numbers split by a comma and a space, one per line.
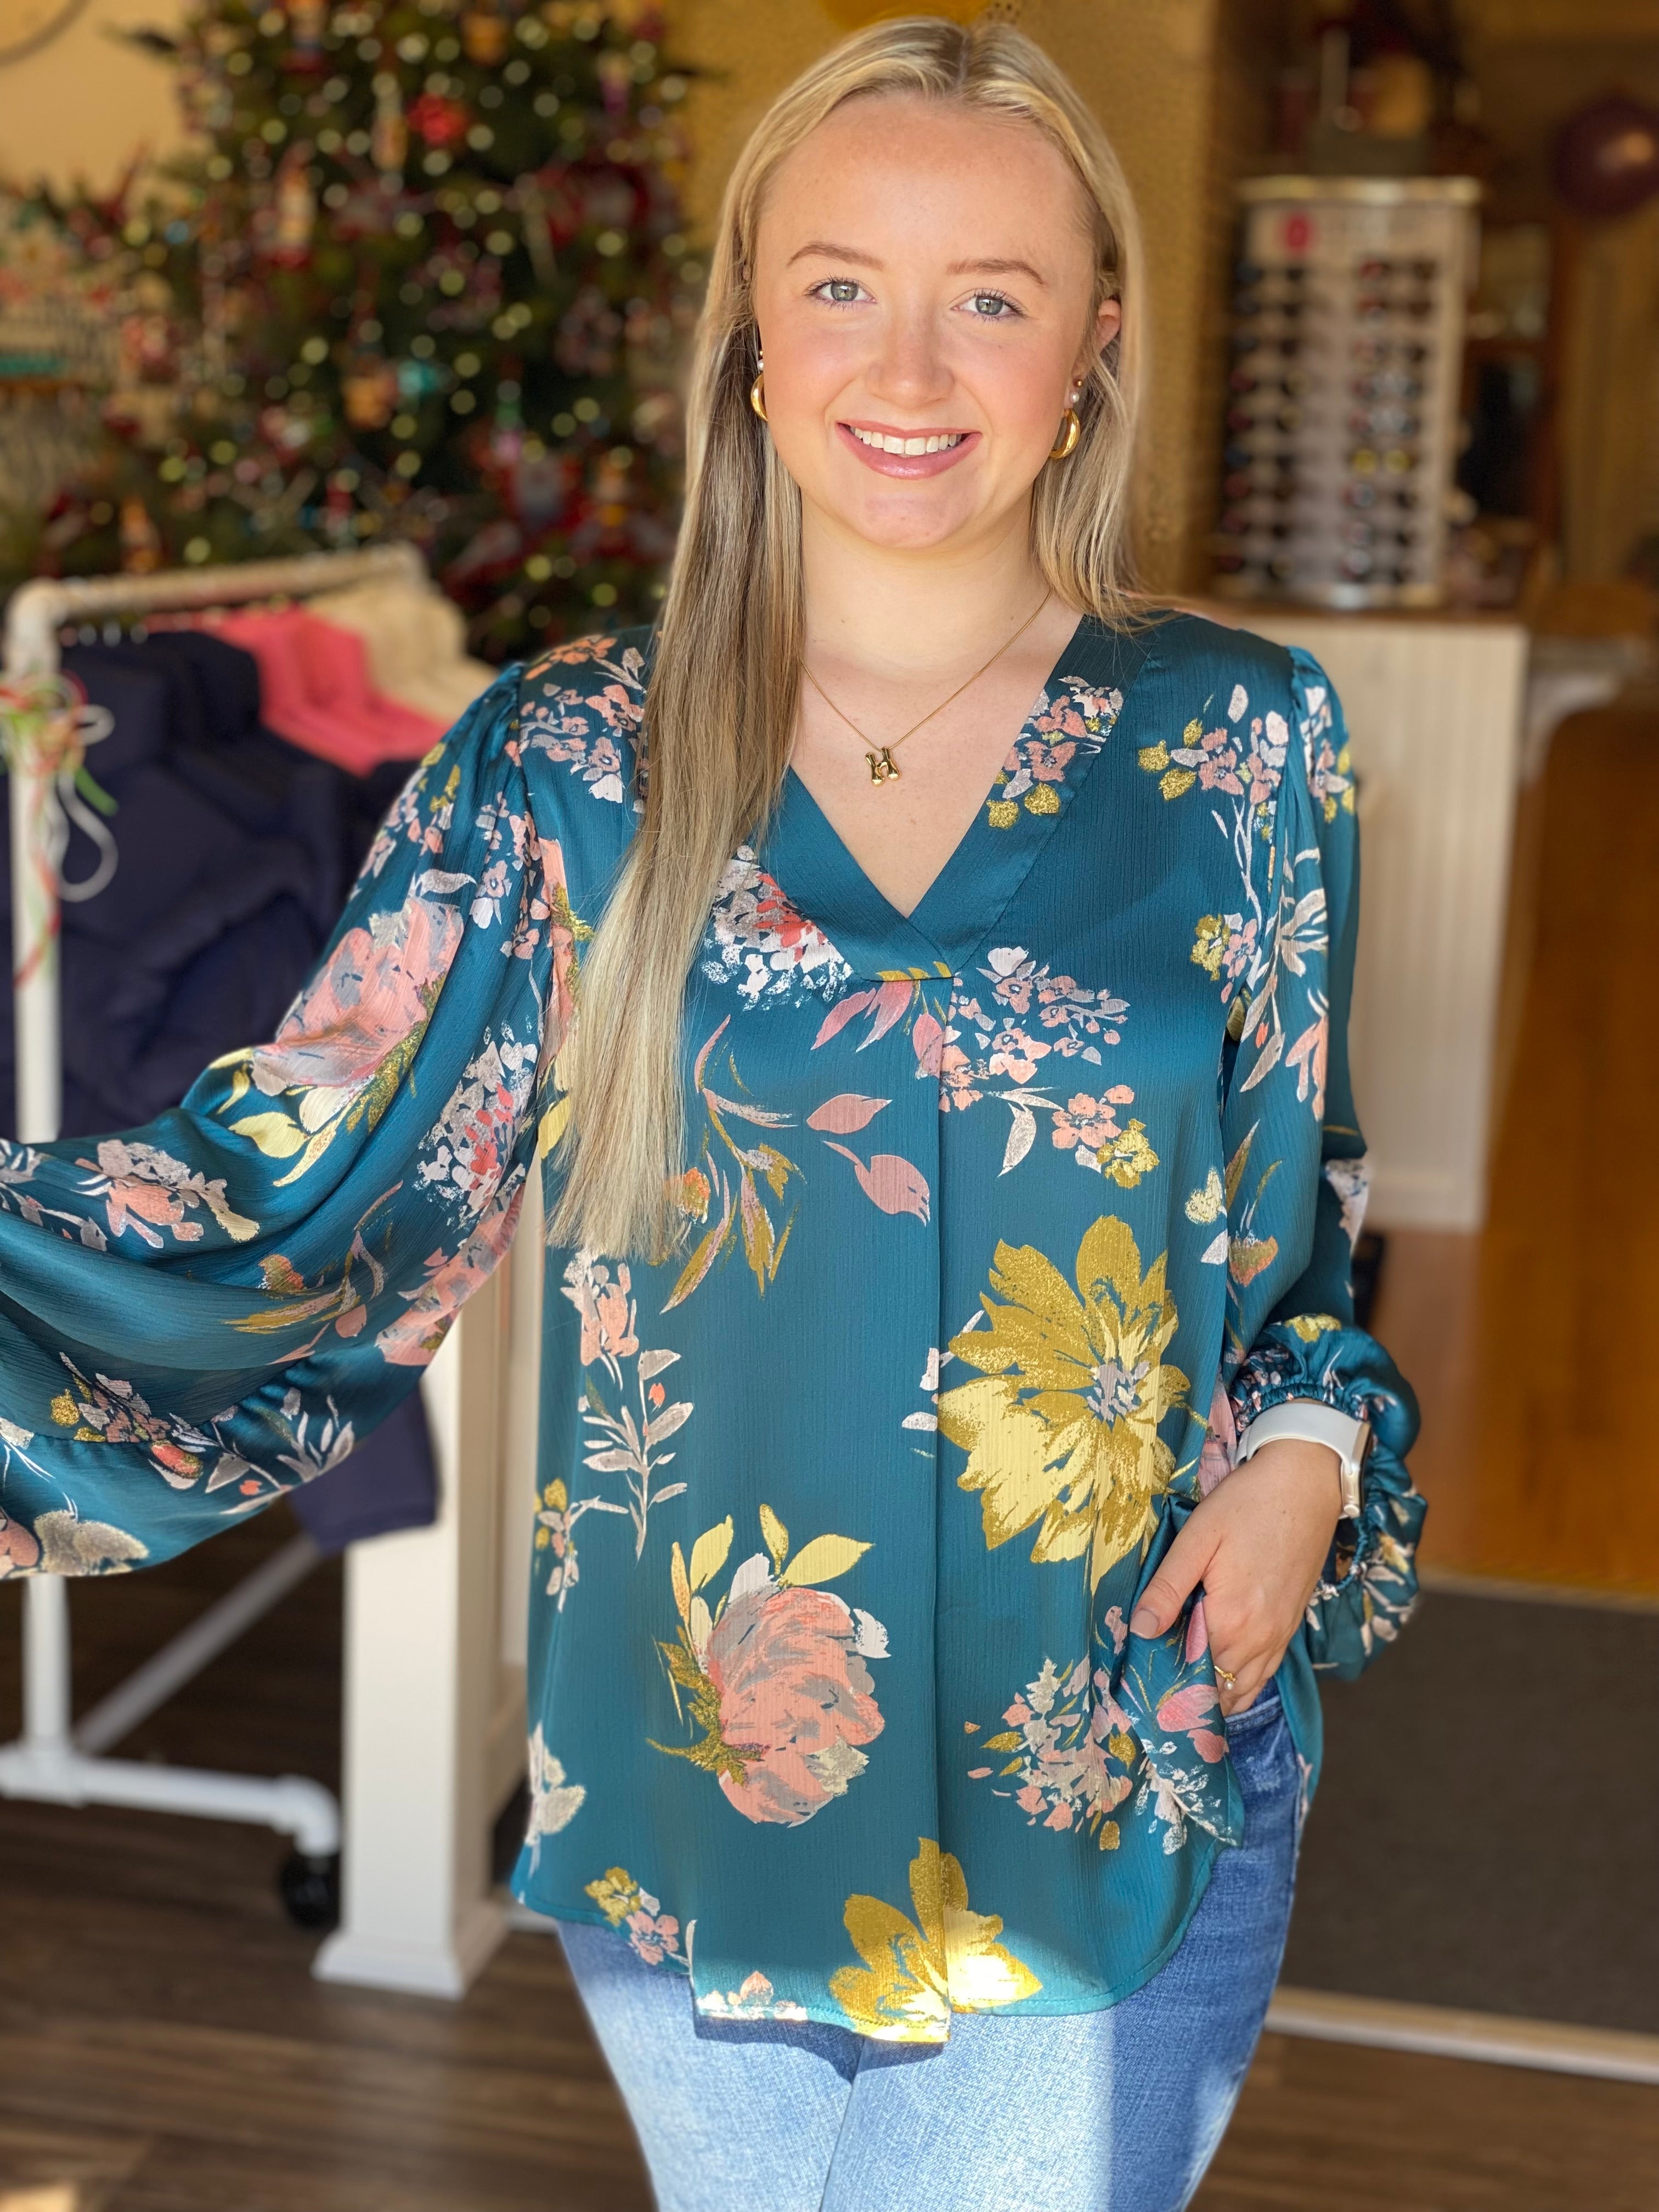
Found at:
[1108, 320]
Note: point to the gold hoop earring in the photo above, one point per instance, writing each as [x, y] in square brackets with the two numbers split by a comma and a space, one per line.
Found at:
[1069, 437]
[758, 396]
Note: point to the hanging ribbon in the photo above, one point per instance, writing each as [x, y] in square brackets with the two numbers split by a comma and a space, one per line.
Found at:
[46, 723]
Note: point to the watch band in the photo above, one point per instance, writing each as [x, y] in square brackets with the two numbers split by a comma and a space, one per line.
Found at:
[1311, 1421]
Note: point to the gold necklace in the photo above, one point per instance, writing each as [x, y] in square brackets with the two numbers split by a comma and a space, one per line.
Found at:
[883, 768]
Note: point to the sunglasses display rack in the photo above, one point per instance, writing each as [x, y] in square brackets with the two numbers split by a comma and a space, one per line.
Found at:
[1342, 390]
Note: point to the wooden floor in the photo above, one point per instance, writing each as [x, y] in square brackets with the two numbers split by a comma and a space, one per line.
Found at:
[164, 2049]
[1535, 1347]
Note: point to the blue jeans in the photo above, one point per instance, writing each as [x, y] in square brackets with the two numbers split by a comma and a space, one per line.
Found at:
[1116, 2111]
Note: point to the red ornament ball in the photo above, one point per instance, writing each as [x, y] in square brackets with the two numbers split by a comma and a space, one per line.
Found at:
[1606, 157]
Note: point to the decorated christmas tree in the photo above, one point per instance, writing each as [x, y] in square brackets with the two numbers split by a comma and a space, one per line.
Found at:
[424, 278]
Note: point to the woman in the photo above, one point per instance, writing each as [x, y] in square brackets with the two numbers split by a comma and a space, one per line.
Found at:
[945, 1106]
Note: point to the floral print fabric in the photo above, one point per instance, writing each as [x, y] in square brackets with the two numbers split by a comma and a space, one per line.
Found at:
[998, 1220]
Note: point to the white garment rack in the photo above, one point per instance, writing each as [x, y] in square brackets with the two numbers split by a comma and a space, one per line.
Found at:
[54, 1759]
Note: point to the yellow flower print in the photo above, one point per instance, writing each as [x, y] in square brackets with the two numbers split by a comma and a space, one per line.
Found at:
[1062, 1429]
[1042, 799]
[1211, 938]
[1127, 1156]
[915, 1974]
[1311, 1327]
[1002, 813]
[617, 1895]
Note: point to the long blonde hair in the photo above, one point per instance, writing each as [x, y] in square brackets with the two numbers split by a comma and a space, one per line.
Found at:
[722, 701]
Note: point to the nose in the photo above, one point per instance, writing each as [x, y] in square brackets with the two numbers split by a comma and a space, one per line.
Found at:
[909, 367]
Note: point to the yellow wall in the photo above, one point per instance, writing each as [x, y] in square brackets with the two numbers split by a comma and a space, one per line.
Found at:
[85, 105]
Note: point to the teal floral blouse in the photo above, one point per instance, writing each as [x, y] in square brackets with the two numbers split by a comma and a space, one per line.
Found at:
[999, 1222]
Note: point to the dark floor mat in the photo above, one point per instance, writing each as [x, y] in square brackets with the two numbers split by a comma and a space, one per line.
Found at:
[1484, 1833]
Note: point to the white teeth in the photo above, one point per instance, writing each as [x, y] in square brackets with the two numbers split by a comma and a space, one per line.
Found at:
[937, 442]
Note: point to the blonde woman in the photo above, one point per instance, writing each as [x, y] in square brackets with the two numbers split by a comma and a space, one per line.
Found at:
[923, 985]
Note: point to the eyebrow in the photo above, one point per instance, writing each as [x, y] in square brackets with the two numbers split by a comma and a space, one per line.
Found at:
[828, 250]
[997, 269]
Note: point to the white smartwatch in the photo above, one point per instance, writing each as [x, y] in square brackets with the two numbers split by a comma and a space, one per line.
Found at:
[1314, 1423]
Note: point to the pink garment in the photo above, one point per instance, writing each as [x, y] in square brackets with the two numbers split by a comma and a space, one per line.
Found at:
[314, 690]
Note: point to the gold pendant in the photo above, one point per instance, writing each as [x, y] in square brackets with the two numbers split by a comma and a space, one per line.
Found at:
[883, 768]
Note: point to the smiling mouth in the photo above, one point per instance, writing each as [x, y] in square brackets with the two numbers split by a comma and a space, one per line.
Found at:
[933, 441]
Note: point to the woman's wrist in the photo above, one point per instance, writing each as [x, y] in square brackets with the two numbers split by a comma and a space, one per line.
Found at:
[1314, 1470]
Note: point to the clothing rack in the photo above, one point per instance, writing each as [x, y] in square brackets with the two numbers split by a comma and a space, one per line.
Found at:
[55, 1759]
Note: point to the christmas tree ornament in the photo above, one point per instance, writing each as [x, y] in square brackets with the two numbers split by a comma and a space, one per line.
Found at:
[306, 21]
[417, 379]
[388, 140]
[368, 392]
[535, 230]
[438, 121]
[611, 484]
[295, 215]
[484, 35]
[615, 75]
[337, 513]
[141, 541]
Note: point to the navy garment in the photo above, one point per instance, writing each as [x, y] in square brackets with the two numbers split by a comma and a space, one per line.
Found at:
[389, 1482]
[235, 851]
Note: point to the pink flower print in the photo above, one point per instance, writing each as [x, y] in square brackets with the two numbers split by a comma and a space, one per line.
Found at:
[1239, 948]
[375, 991]
[145, 1207]
[604, 768]
[19, 1550]
[1015, 1054]
[1012, 974]
[1216, 770]
[955, 1077]
[796, 1700]
[1089, 1123]
[1049, 763]
[655, 1936]
[1030, 1799]
[623, 708]
[1062, 715]
[606, 1308]
[1185, 1712]
[1060, 1817]
[412, 1339]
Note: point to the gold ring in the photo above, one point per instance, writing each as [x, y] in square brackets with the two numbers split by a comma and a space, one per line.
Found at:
[1224, 1675]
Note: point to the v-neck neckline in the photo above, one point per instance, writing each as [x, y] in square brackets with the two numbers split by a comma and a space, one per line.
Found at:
[807, 854]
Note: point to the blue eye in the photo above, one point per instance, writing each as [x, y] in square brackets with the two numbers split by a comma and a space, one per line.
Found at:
[839, 291]
[993, 305]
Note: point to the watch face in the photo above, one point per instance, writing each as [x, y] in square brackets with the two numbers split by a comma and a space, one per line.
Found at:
[26, 25]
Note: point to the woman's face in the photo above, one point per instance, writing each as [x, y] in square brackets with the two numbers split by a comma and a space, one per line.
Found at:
[923, 273]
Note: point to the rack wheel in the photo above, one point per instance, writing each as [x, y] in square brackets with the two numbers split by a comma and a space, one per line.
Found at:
[310, 1890]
